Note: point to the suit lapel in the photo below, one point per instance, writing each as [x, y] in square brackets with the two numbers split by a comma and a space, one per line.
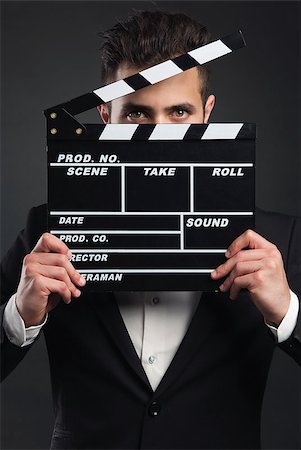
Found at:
[108, 312]
[201, 327]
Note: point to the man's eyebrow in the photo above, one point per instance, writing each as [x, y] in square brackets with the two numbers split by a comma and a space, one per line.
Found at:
[130, 106]
[186, 106]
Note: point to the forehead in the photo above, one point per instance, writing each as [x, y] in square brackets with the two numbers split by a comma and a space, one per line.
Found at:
[185, 87]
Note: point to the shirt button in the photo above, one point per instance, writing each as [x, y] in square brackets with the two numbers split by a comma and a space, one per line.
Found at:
[154, 409]
[155, 300]
[152, 359]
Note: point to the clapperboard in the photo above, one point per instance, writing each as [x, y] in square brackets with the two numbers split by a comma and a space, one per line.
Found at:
[149, 207]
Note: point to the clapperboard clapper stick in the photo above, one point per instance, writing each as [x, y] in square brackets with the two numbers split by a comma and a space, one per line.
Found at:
[149, 207]
[152, 75]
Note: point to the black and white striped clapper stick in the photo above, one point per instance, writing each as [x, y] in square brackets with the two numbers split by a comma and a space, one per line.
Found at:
[154, 74]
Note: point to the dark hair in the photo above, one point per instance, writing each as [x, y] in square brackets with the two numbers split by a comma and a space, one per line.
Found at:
[147, 38]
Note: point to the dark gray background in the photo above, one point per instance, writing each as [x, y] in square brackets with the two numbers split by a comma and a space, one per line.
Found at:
[50, 54]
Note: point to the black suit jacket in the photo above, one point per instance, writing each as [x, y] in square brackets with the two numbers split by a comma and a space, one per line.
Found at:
[211, 394]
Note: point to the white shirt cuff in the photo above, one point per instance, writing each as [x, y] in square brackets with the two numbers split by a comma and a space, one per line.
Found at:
[286, 327]
[14, 325]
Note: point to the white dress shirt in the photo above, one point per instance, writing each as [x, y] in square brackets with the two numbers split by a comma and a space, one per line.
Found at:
[156, 323]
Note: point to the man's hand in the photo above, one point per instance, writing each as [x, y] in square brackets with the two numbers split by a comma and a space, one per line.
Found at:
[256, 264]
[47, 275]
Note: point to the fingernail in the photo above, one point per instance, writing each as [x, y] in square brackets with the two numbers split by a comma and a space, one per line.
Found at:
[81, 281]
[69, 255]
[222, 287]
[227, 254]
[213, 274]
[77, 293]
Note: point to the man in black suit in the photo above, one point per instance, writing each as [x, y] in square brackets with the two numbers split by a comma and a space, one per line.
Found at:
[156, 370]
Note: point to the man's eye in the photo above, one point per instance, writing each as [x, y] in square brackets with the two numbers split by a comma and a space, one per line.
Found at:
[135, 115]
[180, 113]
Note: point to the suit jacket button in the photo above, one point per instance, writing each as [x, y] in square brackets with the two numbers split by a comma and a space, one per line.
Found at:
[154, 409]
